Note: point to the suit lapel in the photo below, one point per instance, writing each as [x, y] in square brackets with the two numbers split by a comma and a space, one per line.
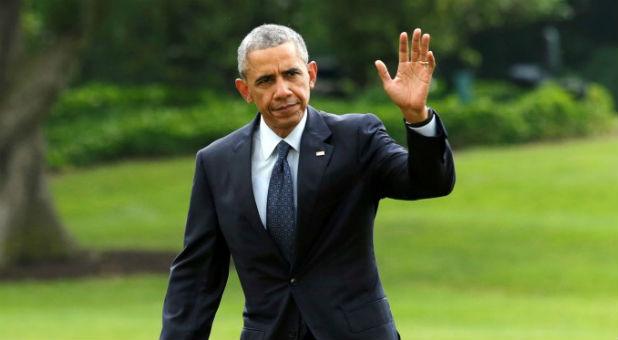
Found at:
[315, 154]
[242, 186]
[241, 176]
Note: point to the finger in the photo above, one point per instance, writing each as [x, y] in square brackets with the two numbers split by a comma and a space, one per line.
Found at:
[403, 48]
[416, 45]
[424, 47]
[432, 60]
[383, 72]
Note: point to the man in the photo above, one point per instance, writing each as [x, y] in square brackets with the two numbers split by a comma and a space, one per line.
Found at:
[292, 197]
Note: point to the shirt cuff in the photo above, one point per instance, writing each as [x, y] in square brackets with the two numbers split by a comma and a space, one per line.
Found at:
[427, 130]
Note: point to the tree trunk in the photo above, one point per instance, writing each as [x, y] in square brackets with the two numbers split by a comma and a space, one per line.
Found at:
[30, 230]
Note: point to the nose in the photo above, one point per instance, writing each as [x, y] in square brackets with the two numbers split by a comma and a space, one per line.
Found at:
[282, 89]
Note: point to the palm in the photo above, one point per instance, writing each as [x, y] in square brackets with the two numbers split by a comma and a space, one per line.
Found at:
[410, 87]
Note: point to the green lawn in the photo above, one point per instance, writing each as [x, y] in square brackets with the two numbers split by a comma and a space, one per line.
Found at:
[524, 248]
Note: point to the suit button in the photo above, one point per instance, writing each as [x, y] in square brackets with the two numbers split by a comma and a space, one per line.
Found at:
[293, 281]
[292, 335]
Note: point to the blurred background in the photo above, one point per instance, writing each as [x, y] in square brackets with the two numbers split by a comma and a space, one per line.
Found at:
[103, 105]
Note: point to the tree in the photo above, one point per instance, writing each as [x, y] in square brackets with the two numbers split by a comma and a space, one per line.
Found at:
[180, 42]
[33, 72]
[362, 32]
[194, 42]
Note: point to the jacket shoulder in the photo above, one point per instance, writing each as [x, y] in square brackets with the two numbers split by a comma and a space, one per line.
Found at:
[350, 120]
[223, 145]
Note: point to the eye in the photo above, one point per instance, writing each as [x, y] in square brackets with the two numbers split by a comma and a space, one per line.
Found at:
[292, 72]
[263, 81]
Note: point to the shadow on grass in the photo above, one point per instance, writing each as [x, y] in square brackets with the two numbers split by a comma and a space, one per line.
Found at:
[109, 263]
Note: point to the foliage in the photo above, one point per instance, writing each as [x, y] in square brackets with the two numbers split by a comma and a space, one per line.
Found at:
[370, 32]
[180, 42]
[101, 122]
[195, 41]
[42, 21]
[500, 113]
[546, 113]
[602, 66]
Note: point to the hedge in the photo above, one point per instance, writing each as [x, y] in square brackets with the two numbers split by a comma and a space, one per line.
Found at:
[97, 122]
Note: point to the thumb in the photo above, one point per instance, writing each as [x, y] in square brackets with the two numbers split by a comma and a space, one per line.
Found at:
[383, 72]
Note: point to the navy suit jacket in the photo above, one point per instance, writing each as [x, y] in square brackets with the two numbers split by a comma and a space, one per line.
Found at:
[334, 284]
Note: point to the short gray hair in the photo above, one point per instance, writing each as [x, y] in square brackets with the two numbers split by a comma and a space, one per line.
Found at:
[266, 36]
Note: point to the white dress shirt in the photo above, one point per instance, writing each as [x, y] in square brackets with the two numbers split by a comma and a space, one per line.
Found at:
[264, 157]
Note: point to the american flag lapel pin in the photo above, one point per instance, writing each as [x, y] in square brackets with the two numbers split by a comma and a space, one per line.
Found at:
[320, 153]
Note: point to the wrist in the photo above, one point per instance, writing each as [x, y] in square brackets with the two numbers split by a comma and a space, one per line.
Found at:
[415, 117]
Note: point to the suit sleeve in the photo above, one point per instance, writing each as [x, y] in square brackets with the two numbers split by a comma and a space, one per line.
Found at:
[199, 273]
[425, 170]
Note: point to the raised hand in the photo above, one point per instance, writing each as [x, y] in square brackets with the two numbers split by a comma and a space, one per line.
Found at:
[410, 87]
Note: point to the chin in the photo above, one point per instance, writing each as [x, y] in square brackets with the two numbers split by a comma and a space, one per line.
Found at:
[288, 123]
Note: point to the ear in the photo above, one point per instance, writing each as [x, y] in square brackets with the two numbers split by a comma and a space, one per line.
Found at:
[243, 89]
[312, 69]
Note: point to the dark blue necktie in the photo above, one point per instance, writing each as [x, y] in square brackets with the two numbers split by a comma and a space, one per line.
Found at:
[280, 212]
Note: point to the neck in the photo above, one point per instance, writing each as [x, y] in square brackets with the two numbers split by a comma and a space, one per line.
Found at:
[282, 132]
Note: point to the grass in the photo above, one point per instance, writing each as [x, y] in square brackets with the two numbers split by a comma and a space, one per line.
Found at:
[525, 248]
[129, 308]
[133, 205]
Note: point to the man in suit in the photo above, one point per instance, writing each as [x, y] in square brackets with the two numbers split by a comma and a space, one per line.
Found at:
[292, 197]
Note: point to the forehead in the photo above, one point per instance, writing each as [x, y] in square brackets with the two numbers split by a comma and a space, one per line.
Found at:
[273, 59]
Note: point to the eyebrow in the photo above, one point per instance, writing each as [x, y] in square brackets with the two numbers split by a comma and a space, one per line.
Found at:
[268, 77]
[264, 78]
[292, 70]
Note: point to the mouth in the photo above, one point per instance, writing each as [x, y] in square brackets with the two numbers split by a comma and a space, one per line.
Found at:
[285, 108]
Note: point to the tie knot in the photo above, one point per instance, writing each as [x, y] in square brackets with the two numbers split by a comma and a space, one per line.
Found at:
[282, 149]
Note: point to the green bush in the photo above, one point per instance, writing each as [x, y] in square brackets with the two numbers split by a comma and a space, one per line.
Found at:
[546, 113]
[482, 122]
[89, 126]
[500, 114]
[97, 98]
[101, 122]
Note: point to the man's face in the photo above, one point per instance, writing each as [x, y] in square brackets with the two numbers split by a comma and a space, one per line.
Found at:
[278, 81]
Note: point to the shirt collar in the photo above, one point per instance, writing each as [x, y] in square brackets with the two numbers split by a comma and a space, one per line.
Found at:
[269, 139]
